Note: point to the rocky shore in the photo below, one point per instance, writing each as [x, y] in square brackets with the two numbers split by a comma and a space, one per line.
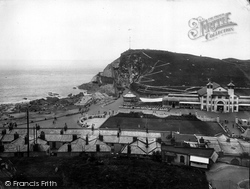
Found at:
[40, 107]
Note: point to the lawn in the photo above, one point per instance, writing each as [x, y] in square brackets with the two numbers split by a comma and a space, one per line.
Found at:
[183, 124]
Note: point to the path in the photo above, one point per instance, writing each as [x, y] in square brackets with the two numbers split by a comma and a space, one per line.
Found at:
[224, 176]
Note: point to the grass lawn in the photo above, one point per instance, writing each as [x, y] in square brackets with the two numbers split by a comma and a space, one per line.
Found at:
[184, 125]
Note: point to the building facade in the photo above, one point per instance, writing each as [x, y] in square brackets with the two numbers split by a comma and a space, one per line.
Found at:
[213, 98]
[219, 99]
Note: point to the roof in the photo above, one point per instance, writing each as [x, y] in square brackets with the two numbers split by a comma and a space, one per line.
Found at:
[221, 144]
[151, 99]
[170, 98]
[245, 146]
[129, 95]
[19, 145]
[139, 147]
[79, 145]
[246, 134]
[66, 138]
[200, 152]
[76, 146]
[231, 84]
[220, 93]
[182, 95]
[59, 138]
[7, 138]
[203, 90]
[190, 103]
[242, 92]
[111, 139]
[182, 98]
[232, 147]
[184, 137]
[125, 139]
[91, 147]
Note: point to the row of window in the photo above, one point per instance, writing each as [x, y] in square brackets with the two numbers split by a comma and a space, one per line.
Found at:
[223, 97]
[204, 101]
[214, 108]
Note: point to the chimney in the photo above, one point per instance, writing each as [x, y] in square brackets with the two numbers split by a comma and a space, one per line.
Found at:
[129, 150]
[74, 137]
[42, 135]
[97, 148]
[87, 140]
[1, 147]
[16, 136]
[26, 140]
[202, 140]
[69, 148]
[100, 137]
[134, 139]
[4, 132]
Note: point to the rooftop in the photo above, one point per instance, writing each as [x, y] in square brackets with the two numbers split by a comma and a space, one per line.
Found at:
[202, 152]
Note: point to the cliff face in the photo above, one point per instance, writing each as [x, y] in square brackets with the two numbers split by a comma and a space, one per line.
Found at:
[163, 71]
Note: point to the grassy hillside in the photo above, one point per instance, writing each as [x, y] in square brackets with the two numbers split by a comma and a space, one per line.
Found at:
[163, 68]
[83, 172]
[161, 72]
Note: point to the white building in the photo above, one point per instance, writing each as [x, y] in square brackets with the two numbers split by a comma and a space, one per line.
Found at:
[219, 99]
[212, 97]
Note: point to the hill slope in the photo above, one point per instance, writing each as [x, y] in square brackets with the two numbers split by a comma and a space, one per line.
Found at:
[163, 70]
[84, 172]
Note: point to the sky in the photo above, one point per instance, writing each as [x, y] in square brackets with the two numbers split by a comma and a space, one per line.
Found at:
[45, 33]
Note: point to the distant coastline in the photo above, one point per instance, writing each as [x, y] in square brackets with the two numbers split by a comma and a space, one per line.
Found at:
[23, 86]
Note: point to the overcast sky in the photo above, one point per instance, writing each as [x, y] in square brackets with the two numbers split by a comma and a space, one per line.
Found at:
[99, 29]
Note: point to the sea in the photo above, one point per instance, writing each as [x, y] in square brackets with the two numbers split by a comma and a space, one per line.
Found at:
[18, 86]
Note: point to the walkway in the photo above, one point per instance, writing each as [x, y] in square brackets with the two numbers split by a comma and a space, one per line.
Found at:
[224, 176]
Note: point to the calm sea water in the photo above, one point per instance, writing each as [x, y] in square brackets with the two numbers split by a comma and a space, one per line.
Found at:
[15, 85]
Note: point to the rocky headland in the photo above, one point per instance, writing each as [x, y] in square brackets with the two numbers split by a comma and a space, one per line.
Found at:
[160, 72]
